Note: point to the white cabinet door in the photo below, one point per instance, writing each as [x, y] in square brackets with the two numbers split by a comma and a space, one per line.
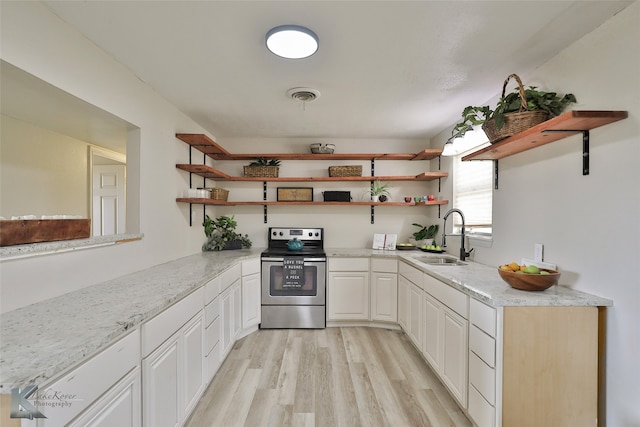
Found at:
[160, 384]
[192, 363]
[226, 318]
[237, 310]
[173, 376]
[251, 300]
[384, 296]
[403, 302]
[454, 354]
[348, 296]
[120, 406]
[415, 315]
[431, 347]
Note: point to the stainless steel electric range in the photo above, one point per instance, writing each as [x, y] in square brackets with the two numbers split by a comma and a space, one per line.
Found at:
[294, 281]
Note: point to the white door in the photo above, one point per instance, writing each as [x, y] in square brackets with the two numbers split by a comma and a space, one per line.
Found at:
[193, 363]
[108, 200]
[160, 407]
[348, 296]
[251, 300]
[384, 297]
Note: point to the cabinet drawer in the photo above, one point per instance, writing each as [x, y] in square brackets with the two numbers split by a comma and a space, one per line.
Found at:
[413, 274]
[482, 377]
[482, 345]
[230, 276]
[482, 413]
[211, 336]
[348, 264]
[211, 290]
[165, 324]
[452, 298]
[384, 265]
[250, 266]
[483, 316]
[211, 311]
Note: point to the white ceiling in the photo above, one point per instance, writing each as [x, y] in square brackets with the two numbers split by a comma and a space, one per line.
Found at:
[385, 69]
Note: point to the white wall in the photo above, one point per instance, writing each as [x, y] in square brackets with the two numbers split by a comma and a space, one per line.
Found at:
[588, 224]
[41, 172]
[38, 42]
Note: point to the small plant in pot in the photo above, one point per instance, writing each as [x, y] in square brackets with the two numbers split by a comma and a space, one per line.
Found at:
[379, 191]
[221, 234]
[514, 112]
[425, 235]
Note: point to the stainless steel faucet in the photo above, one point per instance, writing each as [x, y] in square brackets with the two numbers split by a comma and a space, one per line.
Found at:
[463, 253]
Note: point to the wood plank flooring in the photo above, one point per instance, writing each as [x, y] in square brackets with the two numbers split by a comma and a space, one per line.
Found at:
[354, 376]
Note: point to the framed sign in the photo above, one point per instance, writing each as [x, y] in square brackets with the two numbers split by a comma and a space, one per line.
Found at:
[295, 194]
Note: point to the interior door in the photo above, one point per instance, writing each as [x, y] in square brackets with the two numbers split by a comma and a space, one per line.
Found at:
[108, 200]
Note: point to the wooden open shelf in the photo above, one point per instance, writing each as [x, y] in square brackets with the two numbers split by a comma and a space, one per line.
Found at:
[208, 172]
[212, 149]
[552, 130]
[273, 203]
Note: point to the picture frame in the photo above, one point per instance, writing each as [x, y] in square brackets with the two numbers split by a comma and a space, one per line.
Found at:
[295, 194]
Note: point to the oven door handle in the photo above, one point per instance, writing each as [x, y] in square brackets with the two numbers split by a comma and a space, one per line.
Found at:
[281, 259]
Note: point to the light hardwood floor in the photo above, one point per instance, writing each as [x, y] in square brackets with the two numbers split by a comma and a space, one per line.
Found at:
[326, 377]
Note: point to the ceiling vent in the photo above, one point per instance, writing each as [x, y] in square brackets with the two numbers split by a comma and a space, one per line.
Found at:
[303, 94]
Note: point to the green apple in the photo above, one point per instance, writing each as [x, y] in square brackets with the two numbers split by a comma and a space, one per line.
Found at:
[531, 269]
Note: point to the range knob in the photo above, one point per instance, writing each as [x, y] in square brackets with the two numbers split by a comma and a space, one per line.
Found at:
[275, 233]
[317, 234]
[310, 234]
[281, 233]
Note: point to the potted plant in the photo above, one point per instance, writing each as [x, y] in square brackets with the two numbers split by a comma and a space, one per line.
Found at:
[425, 235]
[263, 168]
[221, 234]
[514, 112]
[379, 191]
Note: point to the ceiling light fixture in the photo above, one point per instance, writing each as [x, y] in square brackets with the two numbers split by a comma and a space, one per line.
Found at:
[292, 41]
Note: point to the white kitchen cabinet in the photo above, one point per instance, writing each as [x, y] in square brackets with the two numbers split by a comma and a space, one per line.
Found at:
[237, 310]
[120, 406]
[445, 342]
[453, 368]
[173, 376]
[83, 386]
[403, 302]
[415, 315]
[384, 290]
[348, 289]
[251, 307]
[212, 328]
[230, 308]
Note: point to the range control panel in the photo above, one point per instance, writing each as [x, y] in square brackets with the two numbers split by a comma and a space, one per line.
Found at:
[304, 234]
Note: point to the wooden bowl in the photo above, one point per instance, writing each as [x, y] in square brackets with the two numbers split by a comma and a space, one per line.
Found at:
[530, 282]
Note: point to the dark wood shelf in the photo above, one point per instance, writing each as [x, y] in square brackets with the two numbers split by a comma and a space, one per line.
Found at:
[208, 172]
[272, 203]
[552, 130]
[212, 149]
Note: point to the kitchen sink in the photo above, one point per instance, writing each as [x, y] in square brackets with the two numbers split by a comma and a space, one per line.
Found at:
[440, 260]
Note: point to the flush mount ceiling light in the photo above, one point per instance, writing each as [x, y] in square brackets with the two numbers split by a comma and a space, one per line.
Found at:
[292, 41]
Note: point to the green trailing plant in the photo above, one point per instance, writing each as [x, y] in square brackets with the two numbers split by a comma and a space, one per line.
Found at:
[380, 189]
[536, 99]
[425, 232]
[261, 161]
[221, 234]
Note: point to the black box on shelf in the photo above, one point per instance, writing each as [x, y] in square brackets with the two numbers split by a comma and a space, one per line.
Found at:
[337, 196]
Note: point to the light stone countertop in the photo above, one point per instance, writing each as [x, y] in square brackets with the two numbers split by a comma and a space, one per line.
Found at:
[43, 340]
[482, 282]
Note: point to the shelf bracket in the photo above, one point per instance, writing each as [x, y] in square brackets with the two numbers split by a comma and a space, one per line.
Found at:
[372, 214]
[585, 146]
[495, 174]
[264, 198]
[190, 214]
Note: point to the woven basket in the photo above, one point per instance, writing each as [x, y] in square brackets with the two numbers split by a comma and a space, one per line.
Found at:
[514, 122]
[336, 171]
[261, 171]
[219, 194]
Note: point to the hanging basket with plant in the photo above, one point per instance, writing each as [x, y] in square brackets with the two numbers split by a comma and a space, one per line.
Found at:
[221, 234]
[262, 168]
[515, 112]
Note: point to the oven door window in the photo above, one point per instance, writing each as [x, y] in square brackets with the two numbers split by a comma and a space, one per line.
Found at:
[304, 285]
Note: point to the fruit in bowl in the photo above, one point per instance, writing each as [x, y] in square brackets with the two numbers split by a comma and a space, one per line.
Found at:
[528, 277]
